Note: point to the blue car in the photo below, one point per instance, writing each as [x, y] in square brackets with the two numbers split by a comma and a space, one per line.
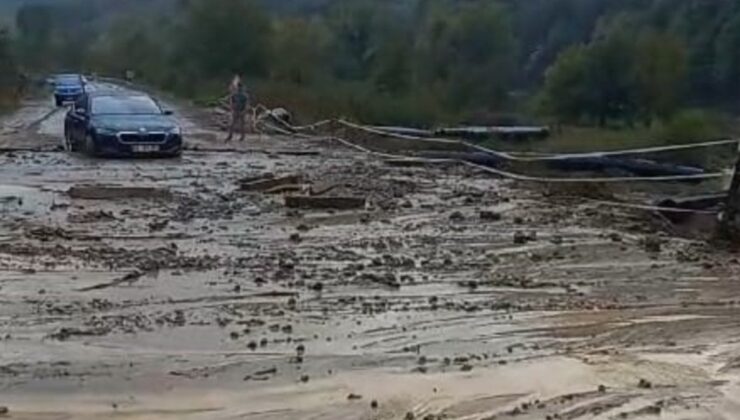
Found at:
[67, 88]
[121, 124]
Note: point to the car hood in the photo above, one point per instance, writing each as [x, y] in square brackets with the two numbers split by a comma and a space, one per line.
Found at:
[134, 122]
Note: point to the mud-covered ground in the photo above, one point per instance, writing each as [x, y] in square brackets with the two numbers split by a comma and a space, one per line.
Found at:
[452, 295]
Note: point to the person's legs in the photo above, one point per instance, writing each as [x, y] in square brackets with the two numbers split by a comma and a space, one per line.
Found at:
[242, 126]
[232, 126]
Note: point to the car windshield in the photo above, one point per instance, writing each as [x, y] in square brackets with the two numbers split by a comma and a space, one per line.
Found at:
[124, 105]
[68, 80]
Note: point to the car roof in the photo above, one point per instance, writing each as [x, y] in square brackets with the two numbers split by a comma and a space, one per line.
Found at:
[114, 93]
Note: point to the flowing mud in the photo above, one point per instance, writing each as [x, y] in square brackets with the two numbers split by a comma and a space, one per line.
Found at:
[162, 289]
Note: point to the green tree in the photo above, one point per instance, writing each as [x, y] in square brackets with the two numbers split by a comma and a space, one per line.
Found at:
[469, 52]
[300, 52]
[565, 94]
[35, 25]
[219, 39]
[597, 82]
[661, 66]
[8, 70]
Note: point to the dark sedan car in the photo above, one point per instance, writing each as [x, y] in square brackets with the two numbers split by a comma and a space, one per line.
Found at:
[121, 125]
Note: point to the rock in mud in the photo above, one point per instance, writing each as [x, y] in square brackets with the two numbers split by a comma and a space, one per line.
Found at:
[652, 244]
[644, 384]
[374, 404]
[520, 238]
[489, 216]
[457, 216]
[312, 202]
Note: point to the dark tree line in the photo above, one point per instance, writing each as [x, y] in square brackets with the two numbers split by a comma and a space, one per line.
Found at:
[409, 61]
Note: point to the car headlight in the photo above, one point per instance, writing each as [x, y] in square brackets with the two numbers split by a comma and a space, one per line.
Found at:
[175, 131]
[106, 131]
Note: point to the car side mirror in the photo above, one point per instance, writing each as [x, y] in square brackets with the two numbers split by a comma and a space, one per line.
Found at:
[167, 112]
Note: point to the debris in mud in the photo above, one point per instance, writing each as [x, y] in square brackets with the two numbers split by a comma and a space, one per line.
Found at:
[66, 333]
[521, 238]
[354, 397]
[489, 216]
[270, 183]
[99, 192]
[457, 216]
[46, 233]
[386, 279]
[261, 375]
[156, 226]
[645, 384]
[652, 244]
[128, 278]
[313, 202]
[91, 217]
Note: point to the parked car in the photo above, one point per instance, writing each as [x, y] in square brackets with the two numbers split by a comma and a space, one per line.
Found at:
[121, 124]
[67, 88]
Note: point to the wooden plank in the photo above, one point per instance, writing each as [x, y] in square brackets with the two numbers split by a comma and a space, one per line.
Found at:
[271, 183]
[313, 202]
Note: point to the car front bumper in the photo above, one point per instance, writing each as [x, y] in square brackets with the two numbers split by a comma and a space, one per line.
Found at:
[113, 146]
[67, 96]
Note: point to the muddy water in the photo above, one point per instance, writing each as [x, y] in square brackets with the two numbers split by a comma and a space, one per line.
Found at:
[201, 301]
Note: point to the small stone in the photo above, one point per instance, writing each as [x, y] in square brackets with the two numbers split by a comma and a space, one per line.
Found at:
[4, 410]
[304, 378]
[317, 287]
[252, 345]
[489, 215]
[300, 350]
[237, 288]
[457, 216]
[520, 238]
[409, 416]
[602, 389]
[354, 397]
[645, 384]
[234, 335]
[295, 237]
[374, 404]
[466, 367]
[263, 342]
[422, 360]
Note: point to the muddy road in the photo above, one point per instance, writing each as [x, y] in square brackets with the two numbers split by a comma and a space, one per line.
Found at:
[161, 289]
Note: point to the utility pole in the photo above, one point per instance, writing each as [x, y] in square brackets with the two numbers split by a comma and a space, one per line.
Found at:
[728, 224]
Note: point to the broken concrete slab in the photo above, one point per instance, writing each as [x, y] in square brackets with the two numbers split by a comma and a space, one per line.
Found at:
[101, 192]
[313, 202]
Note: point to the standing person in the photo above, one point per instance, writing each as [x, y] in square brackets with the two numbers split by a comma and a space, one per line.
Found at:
[238, 104]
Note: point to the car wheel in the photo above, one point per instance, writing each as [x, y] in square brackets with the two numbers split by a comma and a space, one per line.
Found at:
[58, 101]
[90, 147]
